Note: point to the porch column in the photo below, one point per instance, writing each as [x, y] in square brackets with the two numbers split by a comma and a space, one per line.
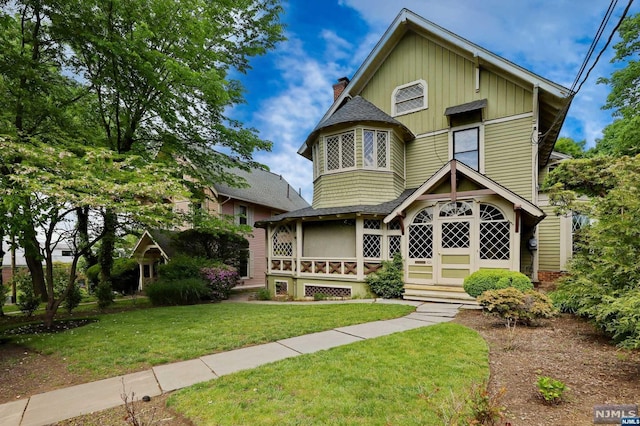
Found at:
[359, 251]
[298, 253]
[141, 279]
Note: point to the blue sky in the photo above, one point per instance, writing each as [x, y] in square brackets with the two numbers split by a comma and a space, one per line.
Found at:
[289, 89]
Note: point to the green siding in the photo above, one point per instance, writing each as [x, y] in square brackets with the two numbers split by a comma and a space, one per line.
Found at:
[354, 187]
[508, 149]
[450, 81]
[549, 241]
[425, 156]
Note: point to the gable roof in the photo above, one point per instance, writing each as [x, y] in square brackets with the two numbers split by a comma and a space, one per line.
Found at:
[160, 239]
[554, 98]
[263, 188]
[529, 208]
[356, 110]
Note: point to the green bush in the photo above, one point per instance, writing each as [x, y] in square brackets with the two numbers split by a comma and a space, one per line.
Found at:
[515, 306]
[73, 299]
[179, 292]
[125, 274]
[4, 291]
[551, 390]
[263, 294]
[28, 302]
[494, 279]
[387, 281]
[182, 267]
[104, 294]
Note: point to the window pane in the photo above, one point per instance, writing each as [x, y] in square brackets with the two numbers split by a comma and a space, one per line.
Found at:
[409, 92]
[333, 153]
[465, 140]
[420, 241]
[382, 149]
[468, 158]
[348, 150]
[455, 235]
[371, 246]
[367, 148]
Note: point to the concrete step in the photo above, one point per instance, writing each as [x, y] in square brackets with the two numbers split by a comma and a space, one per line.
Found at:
[437, 294]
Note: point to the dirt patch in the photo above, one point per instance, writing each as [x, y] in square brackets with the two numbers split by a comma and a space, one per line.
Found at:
[564, 348]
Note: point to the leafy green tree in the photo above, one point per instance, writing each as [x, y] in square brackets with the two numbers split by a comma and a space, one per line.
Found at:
[604, 283]
[622, 137]
[160, 72]
[570, 147]
[57, 182]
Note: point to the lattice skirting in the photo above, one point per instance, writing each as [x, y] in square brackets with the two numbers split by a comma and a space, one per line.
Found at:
[282, 288]
[312, 290]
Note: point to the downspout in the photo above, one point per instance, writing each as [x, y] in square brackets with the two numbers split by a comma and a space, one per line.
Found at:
[535, 139]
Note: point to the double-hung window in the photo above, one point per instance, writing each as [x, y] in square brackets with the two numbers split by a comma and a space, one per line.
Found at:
[340, 151]
[375, 149]
[466, 147]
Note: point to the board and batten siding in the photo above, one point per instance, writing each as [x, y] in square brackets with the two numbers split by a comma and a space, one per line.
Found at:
[549, 241]
[507, 150]
[451, 81]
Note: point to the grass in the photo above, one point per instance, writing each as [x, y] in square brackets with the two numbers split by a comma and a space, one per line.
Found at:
[85, 306]
[413, 378]
[134, 340]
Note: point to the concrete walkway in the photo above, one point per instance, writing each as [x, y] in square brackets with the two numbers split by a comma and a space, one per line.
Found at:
[61, 404]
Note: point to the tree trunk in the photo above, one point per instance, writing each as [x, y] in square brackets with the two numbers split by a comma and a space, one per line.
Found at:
[33, 258]
[2, 253]
[105, 255]
[82, 213]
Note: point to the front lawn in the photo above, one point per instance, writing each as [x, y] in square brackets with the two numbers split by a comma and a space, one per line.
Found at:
[419, 377]
[134, 340]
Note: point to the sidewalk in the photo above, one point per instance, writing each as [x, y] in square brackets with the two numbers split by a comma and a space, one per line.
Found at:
[61, 404]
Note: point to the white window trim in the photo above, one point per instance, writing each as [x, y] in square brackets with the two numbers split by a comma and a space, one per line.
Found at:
[480, 127]
[237, 213]
[375, 149]
[425, 93]
[326, 153]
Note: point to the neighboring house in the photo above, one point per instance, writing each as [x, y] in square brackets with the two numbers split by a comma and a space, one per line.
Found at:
[265, 195]
[62, 252]
[435, 149]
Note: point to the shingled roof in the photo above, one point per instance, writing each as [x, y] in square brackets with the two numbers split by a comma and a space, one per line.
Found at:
[382, 209]
[354, 111]
[264, 188]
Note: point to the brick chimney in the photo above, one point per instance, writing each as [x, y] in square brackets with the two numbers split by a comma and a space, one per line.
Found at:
[339, 87]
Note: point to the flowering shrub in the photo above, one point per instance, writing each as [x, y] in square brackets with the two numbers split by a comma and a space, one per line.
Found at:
[220, 280]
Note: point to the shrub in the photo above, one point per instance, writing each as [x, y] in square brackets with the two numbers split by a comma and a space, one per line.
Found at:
[551, 390]
[104, 294]
[485, 407]
[220, 280]
[73, 299]
[387, 282]
[263, 294]
[179, 292]
[124, 275]
[619, 316]
[181, 267]
[4, 290]
[515, 306]
[494, 279]
[28, 302]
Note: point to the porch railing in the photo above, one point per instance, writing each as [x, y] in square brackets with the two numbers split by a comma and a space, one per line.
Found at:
[345, 267]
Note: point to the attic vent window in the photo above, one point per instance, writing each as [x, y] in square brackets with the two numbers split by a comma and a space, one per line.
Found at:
[410, 97]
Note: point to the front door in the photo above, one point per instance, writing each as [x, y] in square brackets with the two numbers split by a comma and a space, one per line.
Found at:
[454, 242]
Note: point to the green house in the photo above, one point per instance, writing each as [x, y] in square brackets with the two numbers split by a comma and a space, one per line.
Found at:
[436, 148]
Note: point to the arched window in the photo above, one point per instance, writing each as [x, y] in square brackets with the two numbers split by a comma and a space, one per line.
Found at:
[456, 209]
[494, 234]
[409, 97]
[421, 235]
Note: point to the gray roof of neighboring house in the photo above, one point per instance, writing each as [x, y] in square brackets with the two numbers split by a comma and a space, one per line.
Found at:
[378, 209]
[358, 110]
[264, 188]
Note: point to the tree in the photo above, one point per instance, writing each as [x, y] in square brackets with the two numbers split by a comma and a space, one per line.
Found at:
[604, 280]
[53, 183]
[160, 73]
[570, 147]
[146, 78]
[622, 137]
